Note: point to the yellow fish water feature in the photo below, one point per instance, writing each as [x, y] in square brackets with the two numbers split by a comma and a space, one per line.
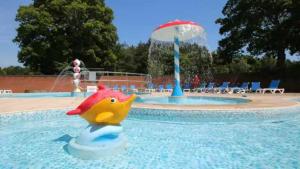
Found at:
[104, 107]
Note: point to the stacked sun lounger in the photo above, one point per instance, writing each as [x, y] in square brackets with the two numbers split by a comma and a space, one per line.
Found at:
[150, 88]
[6, 91]
[169, 88]
[115, 88]
[133, 89]
[187, 87]
[224, 88]
[200, 88]
[240, 89]
[209, 88]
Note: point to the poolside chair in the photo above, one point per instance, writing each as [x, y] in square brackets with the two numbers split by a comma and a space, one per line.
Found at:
[273, 88]
[242, 89]
[91, 89]
[7, 92]
[223, 88]
[210, 87]
[160, 88]
[169, 88]
[123, 88]
[255, 87]
[150, 88]
[200, 88]
[133, 89]
[187, 87]
[116, 88]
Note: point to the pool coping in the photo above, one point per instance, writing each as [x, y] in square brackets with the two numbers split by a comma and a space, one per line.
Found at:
[258, 102]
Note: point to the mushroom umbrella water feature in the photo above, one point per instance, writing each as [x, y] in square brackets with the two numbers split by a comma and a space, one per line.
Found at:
[177, 31]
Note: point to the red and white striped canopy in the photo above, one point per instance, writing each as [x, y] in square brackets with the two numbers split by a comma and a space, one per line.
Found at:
[184, 30]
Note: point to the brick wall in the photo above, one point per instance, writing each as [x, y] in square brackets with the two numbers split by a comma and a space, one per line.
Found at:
[20, 84]
[37, 83]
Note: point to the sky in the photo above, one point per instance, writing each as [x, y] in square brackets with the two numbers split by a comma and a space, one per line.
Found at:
[135, 20]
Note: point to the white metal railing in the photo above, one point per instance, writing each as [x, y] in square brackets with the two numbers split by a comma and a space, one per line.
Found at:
[126, 78]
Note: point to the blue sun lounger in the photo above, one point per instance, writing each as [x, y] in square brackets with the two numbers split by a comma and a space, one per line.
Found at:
[255, 87]
[187, 87]
[242, 89]
[123, 88]
[200, 88]
[160, 88]
[150, 88]
[169, 88]
[273, 88]
[133, 89]
[210, 87]
[116, 88]
[223, 88]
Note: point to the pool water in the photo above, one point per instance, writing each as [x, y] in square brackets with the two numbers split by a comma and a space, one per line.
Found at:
[193, 100]
[159, 139]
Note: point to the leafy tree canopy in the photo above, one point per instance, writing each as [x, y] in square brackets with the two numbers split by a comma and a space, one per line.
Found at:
[53, 32]
[268, 27]
[132, 58]
[15, 70]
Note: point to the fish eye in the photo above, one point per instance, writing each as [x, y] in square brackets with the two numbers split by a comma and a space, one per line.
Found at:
[113, 100]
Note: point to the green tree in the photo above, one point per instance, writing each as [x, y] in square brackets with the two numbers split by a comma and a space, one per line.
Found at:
[239, 65]
[15, 70]
[268, 27]
[193, 60]
[2, 72]
[54, 32]
[132, 58]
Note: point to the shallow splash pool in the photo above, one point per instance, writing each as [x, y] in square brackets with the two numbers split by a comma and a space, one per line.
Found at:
[159, 139]
[190, 100]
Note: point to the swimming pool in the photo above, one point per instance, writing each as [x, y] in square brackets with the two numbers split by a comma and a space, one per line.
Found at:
[191, 100]
[160, 139]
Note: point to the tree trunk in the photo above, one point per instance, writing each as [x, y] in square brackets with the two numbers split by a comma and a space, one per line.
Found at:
[280, 63]
[281, 58]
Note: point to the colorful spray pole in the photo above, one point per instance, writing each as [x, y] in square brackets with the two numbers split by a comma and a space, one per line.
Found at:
[177, 91]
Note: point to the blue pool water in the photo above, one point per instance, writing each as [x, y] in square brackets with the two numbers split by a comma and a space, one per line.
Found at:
[141, 99]
[190, 100]
[160, 139]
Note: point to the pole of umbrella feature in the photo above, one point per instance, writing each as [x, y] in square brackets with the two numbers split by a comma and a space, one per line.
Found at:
[177, 91]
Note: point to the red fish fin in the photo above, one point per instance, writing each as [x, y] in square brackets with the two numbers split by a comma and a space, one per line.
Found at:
[74, 112]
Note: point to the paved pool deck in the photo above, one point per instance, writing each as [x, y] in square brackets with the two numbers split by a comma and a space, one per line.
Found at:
[257, 101]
